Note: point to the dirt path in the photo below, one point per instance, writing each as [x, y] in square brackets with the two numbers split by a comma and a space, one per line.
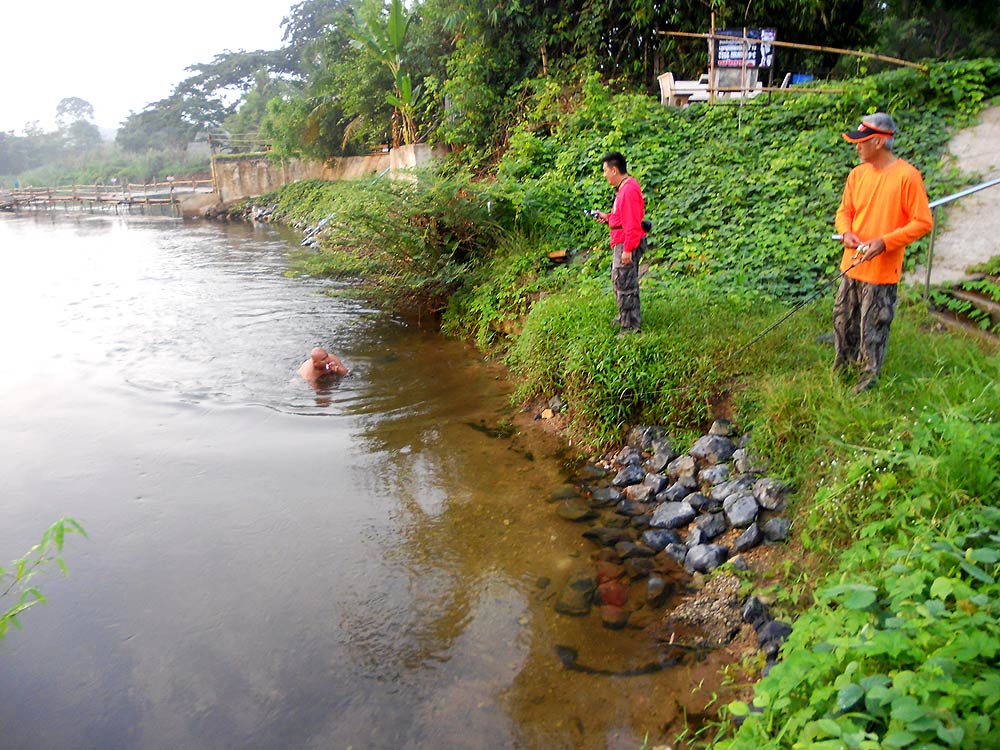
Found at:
[968, 231]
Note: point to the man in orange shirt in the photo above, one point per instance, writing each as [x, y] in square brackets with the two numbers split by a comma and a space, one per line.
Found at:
[884, 208]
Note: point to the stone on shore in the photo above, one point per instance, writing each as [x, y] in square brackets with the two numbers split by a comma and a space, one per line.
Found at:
[704, 558]
[770, 493]
[741, 509]
[749, 538]
[712, 449]
[672, 515]
[577, 595]
[628, 475]
[575, 510]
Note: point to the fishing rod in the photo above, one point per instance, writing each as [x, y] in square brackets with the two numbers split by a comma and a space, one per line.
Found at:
[858, 258]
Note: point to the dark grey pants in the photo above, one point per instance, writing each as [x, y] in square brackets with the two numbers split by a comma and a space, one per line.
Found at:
[625, 280]
[862, 314]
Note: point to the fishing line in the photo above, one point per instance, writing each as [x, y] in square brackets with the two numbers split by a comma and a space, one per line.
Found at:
[824, 285]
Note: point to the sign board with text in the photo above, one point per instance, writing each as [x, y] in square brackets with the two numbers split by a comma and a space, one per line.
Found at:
[756, 52]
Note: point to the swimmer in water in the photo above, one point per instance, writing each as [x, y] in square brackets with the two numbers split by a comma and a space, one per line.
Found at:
[320, 364]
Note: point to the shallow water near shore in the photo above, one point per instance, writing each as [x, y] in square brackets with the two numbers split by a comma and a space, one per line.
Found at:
[272, 565]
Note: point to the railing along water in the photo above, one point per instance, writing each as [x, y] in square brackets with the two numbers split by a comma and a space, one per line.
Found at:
[940, 202]
[126, 194]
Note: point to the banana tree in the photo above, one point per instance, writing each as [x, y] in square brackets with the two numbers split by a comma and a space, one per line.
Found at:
[387, 42]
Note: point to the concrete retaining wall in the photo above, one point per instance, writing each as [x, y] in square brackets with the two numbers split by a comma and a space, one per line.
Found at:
[247, 178]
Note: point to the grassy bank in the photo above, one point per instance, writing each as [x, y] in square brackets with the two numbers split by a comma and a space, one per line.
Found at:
[896, 588]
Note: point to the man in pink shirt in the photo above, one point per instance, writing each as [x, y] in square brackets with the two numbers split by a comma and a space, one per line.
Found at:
[628, 240]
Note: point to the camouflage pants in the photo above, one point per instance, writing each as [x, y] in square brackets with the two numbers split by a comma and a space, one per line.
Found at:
[625, 280]
[862, 314]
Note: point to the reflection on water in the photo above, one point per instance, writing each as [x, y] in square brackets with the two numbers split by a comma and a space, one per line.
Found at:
[371, 576]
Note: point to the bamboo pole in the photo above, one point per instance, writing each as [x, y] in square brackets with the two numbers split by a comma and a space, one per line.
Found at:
[795, 45]
[711, 63]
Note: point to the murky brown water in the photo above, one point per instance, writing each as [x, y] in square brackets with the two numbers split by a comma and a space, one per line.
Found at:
[271, 566]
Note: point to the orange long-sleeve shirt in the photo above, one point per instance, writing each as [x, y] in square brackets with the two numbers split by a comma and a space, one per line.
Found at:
[890, 203]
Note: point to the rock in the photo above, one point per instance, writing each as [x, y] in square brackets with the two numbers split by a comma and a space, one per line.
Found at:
[773, 631]
[574, 510]
[739, 563]
[664, 446]
[722, 428]
[741, 509]
[638, 493]
[641, 521]
[776, 530]
[638, 567]
[721, 491]
[663, 454]
[657, 590]
[565, 492]
[749, 538]
[658, 539]
[611, 592]
[605, 496]
[676, 552]
[629, 475]
[577, 594]
[745, 462]
[713, 475]
[703, 503]
[705, 558]
[656, 482]
[674, 493]
[712, 524]
[712, 449]
[626, 550]
[607, 571]
[628, 456]
[607, 536]
[770, 493]
[592, 471]
[672, 515]
[690, 482]
[628, 508]
[682, 466]
[643, 437]
[754, 613]
[613, 618]
[658, 461]
[695, 537]
[556, 404]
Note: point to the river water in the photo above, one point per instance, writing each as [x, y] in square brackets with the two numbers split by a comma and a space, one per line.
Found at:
[271, 565]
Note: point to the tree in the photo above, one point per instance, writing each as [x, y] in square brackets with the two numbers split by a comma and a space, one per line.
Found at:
[388, 44]
[73, 109]
[940, 29]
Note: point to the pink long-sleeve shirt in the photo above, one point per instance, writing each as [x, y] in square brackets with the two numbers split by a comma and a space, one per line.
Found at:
[625, 219]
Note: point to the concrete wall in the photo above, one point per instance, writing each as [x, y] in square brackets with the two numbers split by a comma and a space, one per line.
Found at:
[247, 178]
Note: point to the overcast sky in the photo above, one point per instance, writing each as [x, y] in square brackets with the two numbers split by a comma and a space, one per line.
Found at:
[117, 55]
